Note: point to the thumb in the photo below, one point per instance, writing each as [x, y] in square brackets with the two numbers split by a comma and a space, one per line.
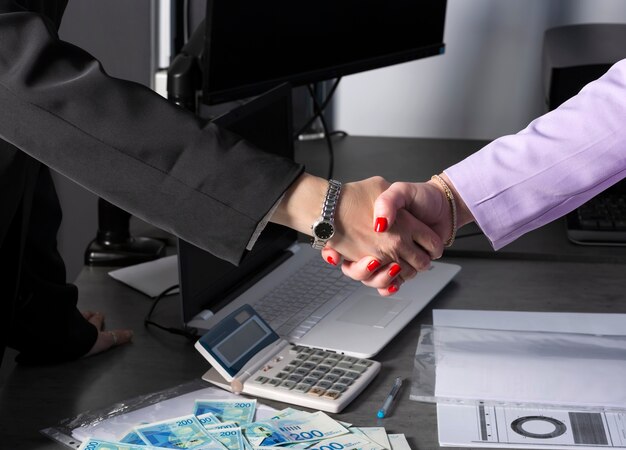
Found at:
[396, 197]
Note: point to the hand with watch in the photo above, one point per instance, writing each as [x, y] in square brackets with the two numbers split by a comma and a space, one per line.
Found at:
[344, 223]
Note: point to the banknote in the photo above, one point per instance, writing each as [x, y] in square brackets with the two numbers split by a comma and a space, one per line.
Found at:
[132, 438]
[398, 442]
[231, 438]
[240, 411]
[263, 434]
[208, 420]
[98, 444]
[291, 412]
[184, 432]
[346, 442]
[314, 427]
[377, 435]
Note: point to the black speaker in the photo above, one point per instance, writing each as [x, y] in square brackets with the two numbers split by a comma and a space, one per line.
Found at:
[575, 55]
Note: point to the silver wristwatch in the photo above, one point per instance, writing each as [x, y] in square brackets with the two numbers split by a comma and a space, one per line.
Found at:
[324, 227]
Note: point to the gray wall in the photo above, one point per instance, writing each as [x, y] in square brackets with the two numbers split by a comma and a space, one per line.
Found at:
[487, 84]
[120, 35]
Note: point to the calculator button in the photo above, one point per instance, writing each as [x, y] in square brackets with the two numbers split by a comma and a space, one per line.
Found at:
[274, 382]
[333, 356]
[302, 387]
[316, 374]
[332, 394]
[282, 375]
[287, 384]
[300, 371]
[321, 353]
[302, 356]
[345, 380]
[323, 368]
[343, 365]
[289, 368]
[352, 375]
[359, 369]
[308, 365]
[349, 359]
[317, 391]
[309, 380]
[314, 359]
[339, 387]
[323, 384]
[330, 378]
[364, 362]
[307, 350]
[261, 380]
[295, 378]
[337, 372]
[329, 362]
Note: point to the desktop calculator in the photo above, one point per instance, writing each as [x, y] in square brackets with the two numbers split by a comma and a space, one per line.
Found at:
[249, 357]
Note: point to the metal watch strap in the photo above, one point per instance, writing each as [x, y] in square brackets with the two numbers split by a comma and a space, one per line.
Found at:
[328, 211]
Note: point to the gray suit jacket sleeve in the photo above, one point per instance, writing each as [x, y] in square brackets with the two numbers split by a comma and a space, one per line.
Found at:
[125, 143]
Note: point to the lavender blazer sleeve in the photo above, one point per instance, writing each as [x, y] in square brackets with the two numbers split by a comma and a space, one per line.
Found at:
[520, 182]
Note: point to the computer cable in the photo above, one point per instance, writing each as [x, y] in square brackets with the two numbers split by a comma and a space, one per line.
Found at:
[322, 107]
[189, 333]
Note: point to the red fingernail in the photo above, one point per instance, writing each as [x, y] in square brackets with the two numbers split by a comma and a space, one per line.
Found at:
[395, 270]
[373, 265]
[331, 261]
[380, 225]
[393, 288]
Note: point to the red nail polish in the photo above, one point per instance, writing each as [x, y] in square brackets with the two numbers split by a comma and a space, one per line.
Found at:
[331, 261]
[393, 288]
[380, 225]
[395, 270]
[373, 265]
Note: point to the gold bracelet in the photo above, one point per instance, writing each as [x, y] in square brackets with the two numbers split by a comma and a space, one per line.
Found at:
[452, 203]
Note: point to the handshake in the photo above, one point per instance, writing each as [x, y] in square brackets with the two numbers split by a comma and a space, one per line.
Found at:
[383, 233]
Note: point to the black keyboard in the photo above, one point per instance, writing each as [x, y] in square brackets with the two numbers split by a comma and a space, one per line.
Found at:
[602, 220]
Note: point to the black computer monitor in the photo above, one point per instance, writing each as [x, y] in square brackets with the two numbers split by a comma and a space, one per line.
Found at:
[253, 46]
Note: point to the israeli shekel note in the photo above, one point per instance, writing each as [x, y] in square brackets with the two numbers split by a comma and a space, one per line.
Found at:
[184, 432]
[98, 444]
[377, 435]
[398, 442]
[263, 434]
[314, 427]
[290, 412]
[240, 411]
[228, 433]
[208, 420]
[345, 442]
[132, 438]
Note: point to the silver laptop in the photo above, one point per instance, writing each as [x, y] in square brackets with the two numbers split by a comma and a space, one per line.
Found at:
[304, 299]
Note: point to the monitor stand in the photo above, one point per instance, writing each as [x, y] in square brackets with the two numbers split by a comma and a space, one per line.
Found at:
[114, 245]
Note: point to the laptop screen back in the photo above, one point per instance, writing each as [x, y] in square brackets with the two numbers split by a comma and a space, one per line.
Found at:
[207, 282]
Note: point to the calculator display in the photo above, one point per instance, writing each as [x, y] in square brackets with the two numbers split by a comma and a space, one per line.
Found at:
[237, 344]
[236, 339]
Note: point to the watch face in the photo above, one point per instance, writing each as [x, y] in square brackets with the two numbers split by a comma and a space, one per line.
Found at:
[324, 230]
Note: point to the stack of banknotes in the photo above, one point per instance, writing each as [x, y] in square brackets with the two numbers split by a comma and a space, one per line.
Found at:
[230, 425]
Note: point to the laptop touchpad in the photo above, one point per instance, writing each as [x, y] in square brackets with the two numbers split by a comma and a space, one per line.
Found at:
[373, 310]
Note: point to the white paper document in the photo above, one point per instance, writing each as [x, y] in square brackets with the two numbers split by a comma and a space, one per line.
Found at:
[150, 278]
[539, 359]
[565, 358]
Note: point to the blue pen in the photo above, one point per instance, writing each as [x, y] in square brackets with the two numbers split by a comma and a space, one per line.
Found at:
[382, 412]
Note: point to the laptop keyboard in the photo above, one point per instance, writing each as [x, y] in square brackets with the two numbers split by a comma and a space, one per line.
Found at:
[295, 306]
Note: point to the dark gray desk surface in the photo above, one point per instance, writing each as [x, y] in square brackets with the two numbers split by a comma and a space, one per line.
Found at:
[36, 398]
